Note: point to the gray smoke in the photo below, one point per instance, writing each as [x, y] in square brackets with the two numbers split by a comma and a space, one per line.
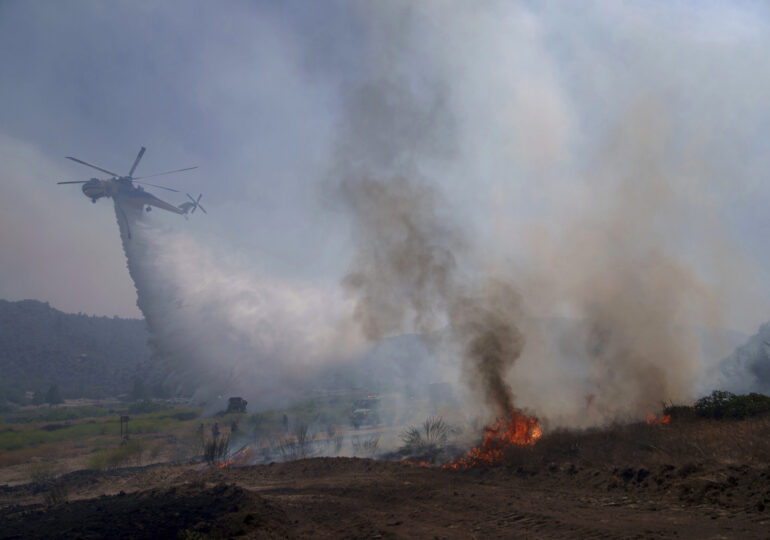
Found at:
[619, 270]
[604, 325]
[545, 207]
[407, 269]
[405, 278]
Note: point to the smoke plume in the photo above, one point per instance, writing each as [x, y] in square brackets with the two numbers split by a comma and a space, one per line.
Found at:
[605, 321]
[408, 269]
[544, 208]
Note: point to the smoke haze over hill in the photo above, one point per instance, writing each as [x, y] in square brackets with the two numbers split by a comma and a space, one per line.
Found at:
[373, 168]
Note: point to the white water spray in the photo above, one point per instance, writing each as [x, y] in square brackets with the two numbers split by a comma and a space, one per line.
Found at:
[216, 330]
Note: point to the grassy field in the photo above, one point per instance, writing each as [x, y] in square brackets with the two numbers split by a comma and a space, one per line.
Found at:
[67, 438]
[89, 437]
[64, 439]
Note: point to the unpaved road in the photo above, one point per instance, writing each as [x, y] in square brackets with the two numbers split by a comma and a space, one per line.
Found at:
[359, 498]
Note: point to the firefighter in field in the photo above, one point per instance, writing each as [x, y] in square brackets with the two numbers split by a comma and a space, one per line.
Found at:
[215, 431]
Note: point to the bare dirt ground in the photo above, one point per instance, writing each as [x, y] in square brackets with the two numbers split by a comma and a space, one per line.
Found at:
[362, 498]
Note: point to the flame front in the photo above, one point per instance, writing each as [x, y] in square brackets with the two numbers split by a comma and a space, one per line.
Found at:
[654, 419]
[516, 430]
[242, 457]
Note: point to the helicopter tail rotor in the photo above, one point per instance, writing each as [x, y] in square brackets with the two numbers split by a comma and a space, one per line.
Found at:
[196, 203]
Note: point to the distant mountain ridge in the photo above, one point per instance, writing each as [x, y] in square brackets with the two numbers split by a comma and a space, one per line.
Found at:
[87, 356]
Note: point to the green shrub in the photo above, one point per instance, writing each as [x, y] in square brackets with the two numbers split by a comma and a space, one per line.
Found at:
[715, 405]
[680, 412]
[184, 416]
[59, 414]
[721, 404]
[748, 405]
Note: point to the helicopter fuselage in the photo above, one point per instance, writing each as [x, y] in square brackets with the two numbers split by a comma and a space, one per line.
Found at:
[96, 189]
[124, 189]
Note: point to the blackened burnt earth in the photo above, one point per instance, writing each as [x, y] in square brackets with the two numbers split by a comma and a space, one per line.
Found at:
[219, 511]
[363, 498]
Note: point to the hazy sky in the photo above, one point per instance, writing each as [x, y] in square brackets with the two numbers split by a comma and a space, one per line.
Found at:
[255, 94]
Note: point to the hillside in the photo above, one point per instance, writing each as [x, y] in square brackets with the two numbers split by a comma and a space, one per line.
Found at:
[86, 356]
[747, 369]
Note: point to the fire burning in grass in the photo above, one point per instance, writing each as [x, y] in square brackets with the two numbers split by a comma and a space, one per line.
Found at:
[652, 418]
[244, 456]
[516, 430]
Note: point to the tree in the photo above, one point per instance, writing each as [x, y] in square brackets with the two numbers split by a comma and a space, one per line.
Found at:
[53, 396]
[38, 398]
[139, 392]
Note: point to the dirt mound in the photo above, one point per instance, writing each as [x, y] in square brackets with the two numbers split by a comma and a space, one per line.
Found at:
[222, 510]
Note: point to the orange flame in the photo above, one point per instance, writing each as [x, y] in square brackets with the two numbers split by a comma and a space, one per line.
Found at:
[654, 419]
[518, 430]
[243, 457]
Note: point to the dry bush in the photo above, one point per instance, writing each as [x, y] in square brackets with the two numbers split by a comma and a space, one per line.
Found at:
[334, 439]
[298, 445]
[339, 440]
[679, 443]
[42, 472]
[56, 494]
[217, 450]
[186, 447]
[365, 446]
[435, 432]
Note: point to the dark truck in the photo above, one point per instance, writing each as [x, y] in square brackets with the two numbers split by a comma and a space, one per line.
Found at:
[236, 404]
[365, 412]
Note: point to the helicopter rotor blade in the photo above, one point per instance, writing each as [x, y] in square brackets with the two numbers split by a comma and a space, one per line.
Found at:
[157, 186]
[166, 172]
[136, 161]
[74, 182]
[202, 209]
[76, 160]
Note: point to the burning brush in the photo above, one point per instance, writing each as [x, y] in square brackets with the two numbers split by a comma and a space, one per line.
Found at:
[492, 342]
[242, 458]
[505, 433]
[653, 418]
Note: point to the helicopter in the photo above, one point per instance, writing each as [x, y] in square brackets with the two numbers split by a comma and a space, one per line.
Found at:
[122, 188]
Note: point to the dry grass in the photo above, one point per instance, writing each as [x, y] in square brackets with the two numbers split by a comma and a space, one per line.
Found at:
[298, 445]
[365, 446]
[128, 453]
[679, 443]
[217, 450]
